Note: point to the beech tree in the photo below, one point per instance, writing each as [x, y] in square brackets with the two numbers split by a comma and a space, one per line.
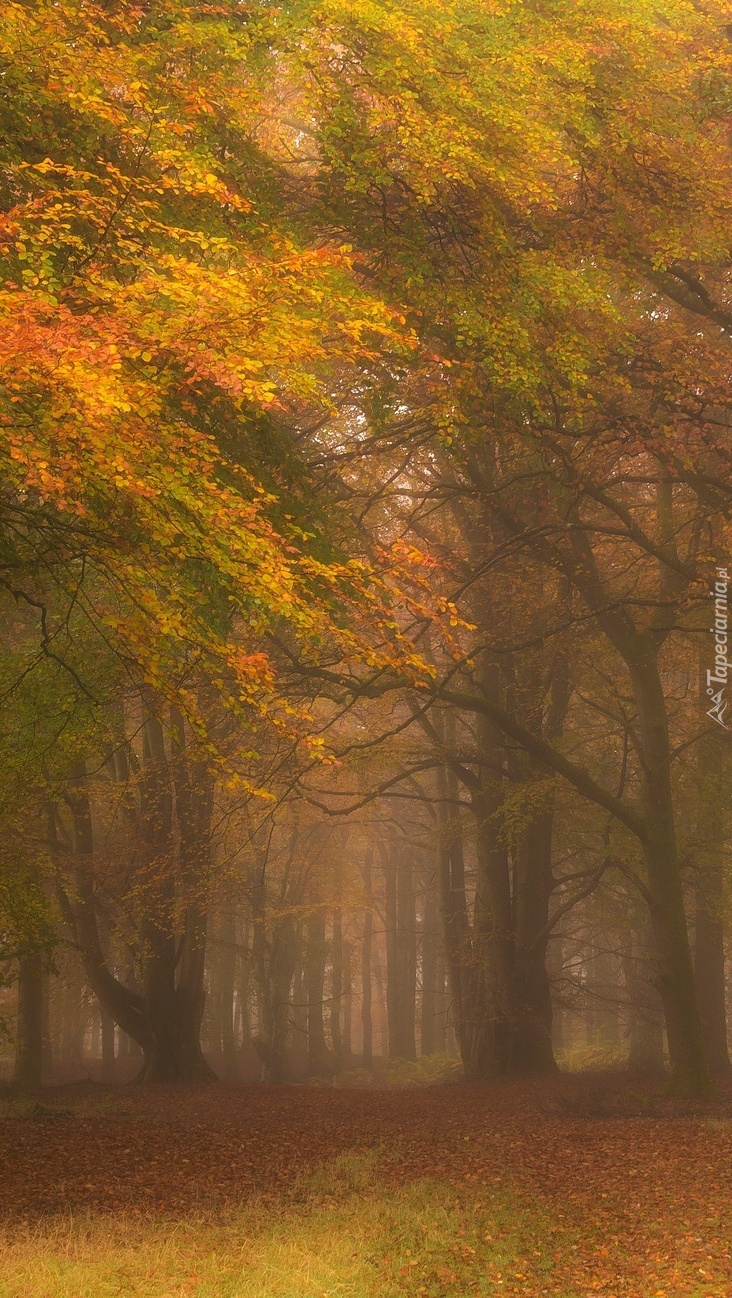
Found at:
[446, 285]
[155, 310]
[551, 270]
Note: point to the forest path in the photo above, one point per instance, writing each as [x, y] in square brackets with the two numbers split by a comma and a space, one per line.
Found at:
[604, 1201]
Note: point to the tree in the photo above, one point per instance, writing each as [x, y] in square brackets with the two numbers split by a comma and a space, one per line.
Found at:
[551, 271]
[150, 317]
[157, 306]
[461, 273]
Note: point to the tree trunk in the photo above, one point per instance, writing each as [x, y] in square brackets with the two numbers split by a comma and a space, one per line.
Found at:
[689, 1065]
[709, 969]
[347, 1036]
[555, 971]
[531, 1026]
[640, 973]
[392, 942]
[194, 789]
[173, 1013]
[430, 975]
[320, 1061]
[244, 1022]
[712, 832]
[166, 1018]
[380, 1015]
[299, 1023]
[465, 968]
[367, 1030]
[274, 961]
[336, 1002]
[493, 937]
[400, 952]
[109, 1066]
[226, 980]
[125, 1005]
[46, 1037]
[282, 973]
[273, 1045]
[407, 952]
[442, 1001]
[29, 1055]
[690, 1075]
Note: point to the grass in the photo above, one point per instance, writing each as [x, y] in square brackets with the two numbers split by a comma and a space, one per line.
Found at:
[595, 1058]
[586, 1188]
[339, 1234]
[428, 1070]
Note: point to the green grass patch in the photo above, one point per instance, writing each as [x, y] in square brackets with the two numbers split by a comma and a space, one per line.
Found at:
[428, 1070]
[595, 1058]
[425, 1071]
[339, 1234]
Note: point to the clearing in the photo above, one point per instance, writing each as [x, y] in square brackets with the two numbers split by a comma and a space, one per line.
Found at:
[575, 1187]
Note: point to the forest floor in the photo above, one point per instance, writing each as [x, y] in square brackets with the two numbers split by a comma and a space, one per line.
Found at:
[577, 1187]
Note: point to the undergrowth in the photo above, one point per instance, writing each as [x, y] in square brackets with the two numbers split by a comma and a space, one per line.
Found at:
[338, 1233]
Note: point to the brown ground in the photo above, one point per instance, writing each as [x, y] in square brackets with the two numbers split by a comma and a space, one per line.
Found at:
[642, 1190]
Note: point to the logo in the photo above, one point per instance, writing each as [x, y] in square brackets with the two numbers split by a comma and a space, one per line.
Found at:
[718, 679]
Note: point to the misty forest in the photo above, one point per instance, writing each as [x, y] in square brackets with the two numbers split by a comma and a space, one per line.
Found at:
[365, 541]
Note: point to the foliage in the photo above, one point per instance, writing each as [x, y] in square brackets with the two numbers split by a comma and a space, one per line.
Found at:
[146, 281]
[508, 172]
[592, 1058]
[428, 1070]
[244, 252]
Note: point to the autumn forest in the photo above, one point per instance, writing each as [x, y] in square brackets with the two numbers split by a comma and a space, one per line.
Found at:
[365, 544]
